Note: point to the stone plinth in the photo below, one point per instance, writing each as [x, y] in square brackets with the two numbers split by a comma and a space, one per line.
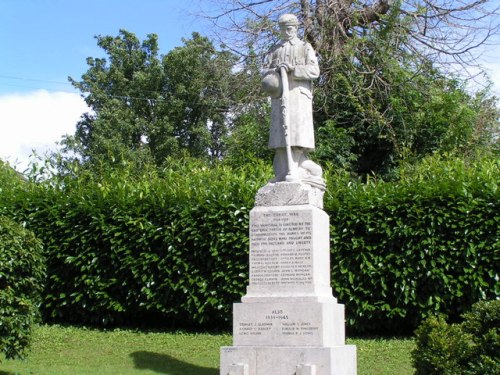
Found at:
[289, 323]
[289, 194]
[289, 254]
[339, 360]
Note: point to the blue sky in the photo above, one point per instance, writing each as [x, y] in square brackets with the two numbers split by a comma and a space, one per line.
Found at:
[45, 41]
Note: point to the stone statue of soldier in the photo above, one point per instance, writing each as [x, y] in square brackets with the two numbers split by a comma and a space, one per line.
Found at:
[288, 322]
[297, 59]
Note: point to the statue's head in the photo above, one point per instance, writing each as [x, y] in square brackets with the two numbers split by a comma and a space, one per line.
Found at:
[288, 24]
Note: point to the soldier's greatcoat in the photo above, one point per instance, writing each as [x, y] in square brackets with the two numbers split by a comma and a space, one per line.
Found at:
[303, 58]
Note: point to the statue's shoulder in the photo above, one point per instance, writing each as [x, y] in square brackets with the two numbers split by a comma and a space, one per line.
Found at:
[308, 45]
[305, 46]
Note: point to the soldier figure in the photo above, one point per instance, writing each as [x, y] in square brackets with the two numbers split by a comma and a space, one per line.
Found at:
[298, 60]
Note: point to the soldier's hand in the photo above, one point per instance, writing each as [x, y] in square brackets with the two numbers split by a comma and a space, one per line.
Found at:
[288, 67]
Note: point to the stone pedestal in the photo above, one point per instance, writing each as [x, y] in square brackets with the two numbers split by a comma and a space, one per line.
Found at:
[288, 323]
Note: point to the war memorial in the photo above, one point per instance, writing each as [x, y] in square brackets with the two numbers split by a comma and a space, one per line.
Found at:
[288, 322]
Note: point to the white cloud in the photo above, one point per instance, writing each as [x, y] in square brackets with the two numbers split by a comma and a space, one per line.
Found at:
[36, 121]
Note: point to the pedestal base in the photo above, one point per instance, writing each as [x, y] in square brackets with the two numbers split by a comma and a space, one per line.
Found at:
[270, 360]
[300, 324]
[289, 323]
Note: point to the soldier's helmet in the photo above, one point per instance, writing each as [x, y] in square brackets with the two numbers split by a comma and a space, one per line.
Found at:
[271, 84]
[288, 19]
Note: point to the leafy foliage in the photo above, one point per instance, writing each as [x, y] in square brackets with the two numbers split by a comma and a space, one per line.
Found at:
[123, 247]
[9, 178]
[426, 244]
[21, 282]
[469, 348]
[172, 245]
[148, 107]
[377, 105]
[385, 94]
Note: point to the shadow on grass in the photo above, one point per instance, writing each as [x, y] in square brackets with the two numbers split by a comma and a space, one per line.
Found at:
[165, 364]
[6, 373]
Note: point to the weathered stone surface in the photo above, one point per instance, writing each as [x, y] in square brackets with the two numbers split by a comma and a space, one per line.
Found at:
[306, 370]
[261, 360]
[288, 71]
[289, 254]
[289, 194]
[238, 369]
[289, 324]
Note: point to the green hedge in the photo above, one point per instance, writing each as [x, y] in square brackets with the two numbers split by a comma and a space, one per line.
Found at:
[21, 279]
[469, 348]
[165, 248]
[171, 247]
[427, 244]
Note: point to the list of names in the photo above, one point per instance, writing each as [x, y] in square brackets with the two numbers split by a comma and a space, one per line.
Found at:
[281, 249]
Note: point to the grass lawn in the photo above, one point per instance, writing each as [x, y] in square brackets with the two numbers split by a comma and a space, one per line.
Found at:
[67, 350]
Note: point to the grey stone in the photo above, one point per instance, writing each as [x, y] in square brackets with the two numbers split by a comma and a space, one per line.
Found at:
[289, 254]
[306, 370]
[287, 75]
[262, 360]
[238, 369]
[290, 194]
[288, 322]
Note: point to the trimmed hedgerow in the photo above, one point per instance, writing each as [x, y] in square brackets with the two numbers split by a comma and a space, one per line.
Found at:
[167, 248]
[21, 278]
[427, 244]
[469, 348]
[171, 247]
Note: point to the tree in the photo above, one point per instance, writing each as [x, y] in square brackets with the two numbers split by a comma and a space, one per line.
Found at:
[148, 107]
[249, 132]
[125, 98]
[200, 93]
[385, 93]
[429, 28]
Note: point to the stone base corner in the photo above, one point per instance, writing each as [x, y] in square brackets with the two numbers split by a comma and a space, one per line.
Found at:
[274, 360]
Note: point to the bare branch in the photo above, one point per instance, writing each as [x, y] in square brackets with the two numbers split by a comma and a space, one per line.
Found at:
[438, 30]
[372, 13]
[308, 22]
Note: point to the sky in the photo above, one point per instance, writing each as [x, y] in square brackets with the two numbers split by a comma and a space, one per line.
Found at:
[43, 42]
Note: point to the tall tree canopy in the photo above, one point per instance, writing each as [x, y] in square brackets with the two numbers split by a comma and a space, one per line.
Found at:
[427, 28]
[386, 92]
[383, 96]
[149, 106]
